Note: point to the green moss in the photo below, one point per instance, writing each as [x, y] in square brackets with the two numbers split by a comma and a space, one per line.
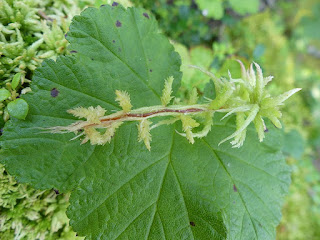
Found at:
[301, 213]
[30, 31]
[26, 213]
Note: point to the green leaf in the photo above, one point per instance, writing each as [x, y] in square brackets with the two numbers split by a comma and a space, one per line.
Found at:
[294, 144]
[186, 184]
[124, 47]
[230, 64]
[209, 91]
[16, 80]
[186, 61]
[121, 190]
[245, 6]
[212, 8]
[4, 94]
[200, 56]
[70, 82]
[18, 108]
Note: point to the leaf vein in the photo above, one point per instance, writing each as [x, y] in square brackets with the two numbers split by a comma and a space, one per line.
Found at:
[249, 164]
[184, 203]
[133, 220]
[122, 61]
[226, 170]
[161, 186]
[122, 185]
[78, 92]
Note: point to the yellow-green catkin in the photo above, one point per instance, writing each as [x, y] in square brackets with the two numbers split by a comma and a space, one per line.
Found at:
[91, 114]
[144, 132]
[167, 91]
[124, 100]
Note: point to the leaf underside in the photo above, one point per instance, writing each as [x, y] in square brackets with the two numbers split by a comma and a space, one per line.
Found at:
[121, 190]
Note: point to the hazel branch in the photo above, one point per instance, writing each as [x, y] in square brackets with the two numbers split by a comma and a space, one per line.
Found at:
[247, 98]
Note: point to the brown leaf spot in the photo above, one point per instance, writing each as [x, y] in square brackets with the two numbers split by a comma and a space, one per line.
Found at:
[235, 189]
[113, 41]
[118, 23]
[146, 15]
[192, 224]
[54, 92]
[150, 70]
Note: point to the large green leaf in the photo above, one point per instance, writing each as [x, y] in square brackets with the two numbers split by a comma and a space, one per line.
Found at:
[121, 190]
[125, 49]
[245, 6]
[178, 191]
[92, 80]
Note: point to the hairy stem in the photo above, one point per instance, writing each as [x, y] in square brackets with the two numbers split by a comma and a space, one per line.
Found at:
[135, 115]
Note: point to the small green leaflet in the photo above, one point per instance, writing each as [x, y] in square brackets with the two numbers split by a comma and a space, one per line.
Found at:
[18, 108]
[4, 94]
[121, 190]
[16, 80]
